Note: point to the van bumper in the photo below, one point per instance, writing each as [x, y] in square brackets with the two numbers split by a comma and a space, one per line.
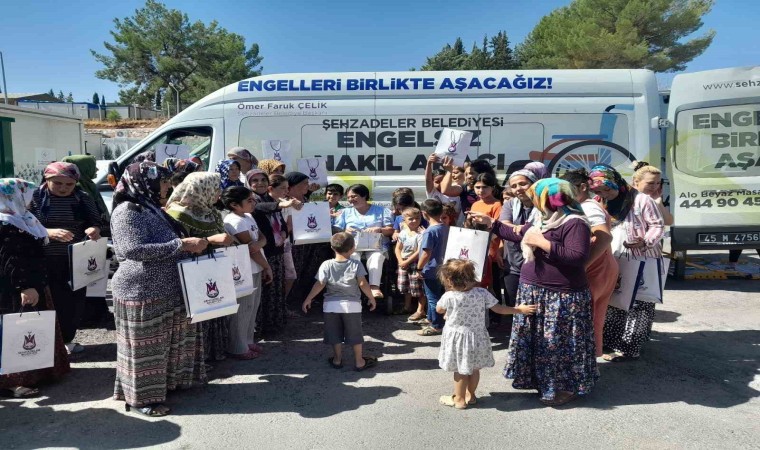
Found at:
[713, 238]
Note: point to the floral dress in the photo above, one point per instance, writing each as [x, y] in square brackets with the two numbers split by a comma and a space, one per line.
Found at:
[465, 344]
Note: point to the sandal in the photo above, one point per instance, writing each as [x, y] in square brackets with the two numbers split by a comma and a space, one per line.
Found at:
[416, 316]
[423, 323]
[153, 410]
[21, 392]
[448, 400]
[472, 401]
[429, 331]
[619, 357]
[369, 361]
[333, 364]
[560, 399]
[245, 356]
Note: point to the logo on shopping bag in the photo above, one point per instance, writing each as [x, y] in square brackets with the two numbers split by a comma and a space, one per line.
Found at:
[454, 142]
[641, 284]
[236, 273]
[29, 342]
[464, 253]
[92, 264]
[311, 221]
[211, 290]
[313, 170]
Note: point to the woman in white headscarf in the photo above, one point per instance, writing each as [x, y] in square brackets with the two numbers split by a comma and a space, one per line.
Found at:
[23, 278]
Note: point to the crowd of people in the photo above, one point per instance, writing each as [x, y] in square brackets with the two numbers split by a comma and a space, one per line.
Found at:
[546, 283]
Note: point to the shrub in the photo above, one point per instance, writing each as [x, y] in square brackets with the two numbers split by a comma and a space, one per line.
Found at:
[113, 116]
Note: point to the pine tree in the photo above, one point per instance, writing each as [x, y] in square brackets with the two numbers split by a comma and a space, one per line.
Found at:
[70, 98]
[103, 100]
[95, 98]
[51, 93]
[157, 100]
[61, 97]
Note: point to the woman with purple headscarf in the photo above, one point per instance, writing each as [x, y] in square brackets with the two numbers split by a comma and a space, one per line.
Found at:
[70, 215]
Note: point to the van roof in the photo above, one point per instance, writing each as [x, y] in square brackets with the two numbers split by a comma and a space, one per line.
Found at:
[719, 84]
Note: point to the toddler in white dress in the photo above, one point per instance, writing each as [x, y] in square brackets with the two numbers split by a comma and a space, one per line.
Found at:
[465, 344]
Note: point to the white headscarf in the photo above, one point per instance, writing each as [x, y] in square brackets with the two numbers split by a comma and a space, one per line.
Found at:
[15, 194]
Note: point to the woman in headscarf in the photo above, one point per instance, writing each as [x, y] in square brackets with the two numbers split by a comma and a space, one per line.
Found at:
[637, 218]
[23, 278]
[308, 257]
[156, 344]
[229, 172]
[70, 216]
[552, 351]
[96, 308]
[192, 205]
[272, 166]
[518, 211]
[268, 216]
[601, 268]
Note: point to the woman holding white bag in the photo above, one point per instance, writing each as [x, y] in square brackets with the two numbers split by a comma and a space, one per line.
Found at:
[642, 229]
[156, 343]
[23, 279]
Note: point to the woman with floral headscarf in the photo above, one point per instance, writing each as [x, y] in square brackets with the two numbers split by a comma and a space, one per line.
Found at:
[637, 218]
[229, 172]
[23, 278]
[272, 167]
[70, 216]
[156, 343]
[192, 205]
[552, 351]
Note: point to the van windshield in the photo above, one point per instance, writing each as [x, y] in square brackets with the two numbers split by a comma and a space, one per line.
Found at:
[722, 141]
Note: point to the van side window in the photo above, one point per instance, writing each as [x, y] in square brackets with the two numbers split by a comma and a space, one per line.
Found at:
[198, 139]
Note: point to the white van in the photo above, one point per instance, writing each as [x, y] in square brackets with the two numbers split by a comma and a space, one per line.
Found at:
[714, 159]
[379, 128]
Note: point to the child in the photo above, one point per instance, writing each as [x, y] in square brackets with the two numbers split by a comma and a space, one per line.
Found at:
[407, 251]
[333, 195]
[450, 215]
[432, 249]
[489, 204]
[344, 278]
[465, 344]
[240, 224]
[433, 178]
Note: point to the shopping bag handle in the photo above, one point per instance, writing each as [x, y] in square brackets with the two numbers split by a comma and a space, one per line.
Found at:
[21, 312]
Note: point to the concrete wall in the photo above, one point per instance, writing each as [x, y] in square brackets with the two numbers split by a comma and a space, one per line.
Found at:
[93, 144]
[39, 137]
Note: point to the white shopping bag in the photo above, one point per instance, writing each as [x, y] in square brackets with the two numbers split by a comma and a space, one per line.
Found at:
[241, 269]
[652, 281]
[368, 242]
[166, 151]
[28, 341]
[455, 144]
[208, 287]
[276, 149]
[619, 237]
[625, 289]
[472, 245]
[99, 289]
[315, 168]
[87, 260]
[311, 223]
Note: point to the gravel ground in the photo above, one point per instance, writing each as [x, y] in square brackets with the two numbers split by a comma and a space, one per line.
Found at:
[696, 386]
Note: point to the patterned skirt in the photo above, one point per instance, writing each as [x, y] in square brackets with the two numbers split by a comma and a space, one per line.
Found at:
[32, 378]
[157, 350]
[627, 331]
[273, 313]
[216, 336]
[554, 349]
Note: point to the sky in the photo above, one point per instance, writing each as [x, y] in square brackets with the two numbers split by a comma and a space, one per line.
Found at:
[46, 43]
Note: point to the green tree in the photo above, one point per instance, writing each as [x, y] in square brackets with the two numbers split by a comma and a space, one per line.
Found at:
[494, 54]
[95, 98]
[103, 100]
[51, 93]
[61, 97]
[158, 47]
[594, 34]
[70, 98]
[157, 101]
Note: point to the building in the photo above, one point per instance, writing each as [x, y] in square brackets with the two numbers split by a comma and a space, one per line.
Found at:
[13, 99]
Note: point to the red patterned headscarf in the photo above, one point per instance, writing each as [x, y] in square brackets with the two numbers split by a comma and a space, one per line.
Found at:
[62, 169]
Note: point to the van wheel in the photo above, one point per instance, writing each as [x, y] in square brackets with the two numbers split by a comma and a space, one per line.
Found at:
[587, 154]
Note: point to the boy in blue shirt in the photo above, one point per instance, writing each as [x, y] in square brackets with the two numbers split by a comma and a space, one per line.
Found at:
[432, 249]
[344, 280]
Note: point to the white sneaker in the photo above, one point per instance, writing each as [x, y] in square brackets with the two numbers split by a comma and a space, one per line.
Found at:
[73, 348]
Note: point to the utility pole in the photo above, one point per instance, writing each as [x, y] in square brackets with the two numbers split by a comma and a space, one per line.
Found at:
[5, 88]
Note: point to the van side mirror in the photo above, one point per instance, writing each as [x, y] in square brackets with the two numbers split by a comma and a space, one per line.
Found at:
[658, 123]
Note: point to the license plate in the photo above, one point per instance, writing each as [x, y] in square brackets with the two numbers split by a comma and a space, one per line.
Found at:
[728, 238]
